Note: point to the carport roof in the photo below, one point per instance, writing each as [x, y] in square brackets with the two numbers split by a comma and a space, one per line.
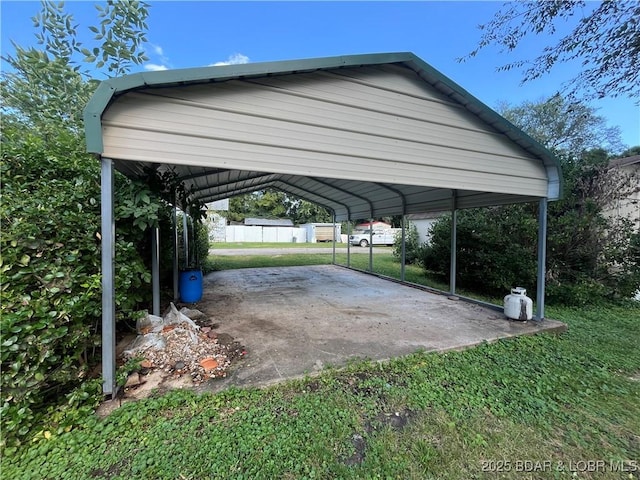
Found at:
[351, 197]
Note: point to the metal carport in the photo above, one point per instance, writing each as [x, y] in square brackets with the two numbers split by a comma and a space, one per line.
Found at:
[364, 136]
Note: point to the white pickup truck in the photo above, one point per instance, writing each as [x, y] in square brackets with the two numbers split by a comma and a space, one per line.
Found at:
[380, 237]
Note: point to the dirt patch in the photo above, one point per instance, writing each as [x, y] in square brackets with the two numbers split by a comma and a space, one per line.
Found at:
[183, 349]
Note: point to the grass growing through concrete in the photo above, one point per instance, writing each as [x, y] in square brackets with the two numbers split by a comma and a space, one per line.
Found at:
[531, 407]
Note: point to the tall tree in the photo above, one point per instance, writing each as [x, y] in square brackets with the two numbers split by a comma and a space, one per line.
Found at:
[47, 88]
[566, 128]
[605, 40]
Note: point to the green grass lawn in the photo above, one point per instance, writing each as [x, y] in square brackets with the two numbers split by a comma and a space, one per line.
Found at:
[566, 406]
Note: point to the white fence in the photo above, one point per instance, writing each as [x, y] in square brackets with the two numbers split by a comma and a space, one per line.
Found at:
[244, 233]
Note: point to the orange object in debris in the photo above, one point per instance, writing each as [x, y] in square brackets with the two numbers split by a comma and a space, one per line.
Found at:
[208, 363]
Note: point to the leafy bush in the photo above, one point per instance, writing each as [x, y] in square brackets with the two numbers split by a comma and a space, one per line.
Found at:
[412, 250]
[51, 291]
[590, 257]
[495, 251]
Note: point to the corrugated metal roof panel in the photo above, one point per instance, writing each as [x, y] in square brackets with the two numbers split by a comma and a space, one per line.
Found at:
[366, 135]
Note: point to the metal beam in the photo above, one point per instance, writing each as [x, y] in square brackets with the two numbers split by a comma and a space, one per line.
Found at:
[204, 191]
[349, 240]
[542, 257]
[213, 171]
[403, 254]
[155, 269]
[176, 248]
[185, 239]
[347, 192]
[454, 240]
[108, 232]
[371, 244]
[333, 261]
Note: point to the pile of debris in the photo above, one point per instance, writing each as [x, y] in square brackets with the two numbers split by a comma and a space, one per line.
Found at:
[177, 345]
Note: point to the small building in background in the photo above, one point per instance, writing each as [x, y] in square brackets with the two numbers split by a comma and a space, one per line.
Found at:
[266, 230]
[424, 222]
[377, 225]
[216, 220]
[629, 206]
[322, 232]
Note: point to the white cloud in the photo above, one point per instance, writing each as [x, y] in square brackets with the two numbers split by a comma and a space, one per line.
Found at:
[158, 49]
[153, 67]
[234, 59]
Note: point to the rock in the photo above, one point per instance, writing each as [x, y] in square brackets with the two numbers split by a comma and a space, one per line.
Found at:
[133, 380]
[146, 364]
[179, 365]
[211, 334]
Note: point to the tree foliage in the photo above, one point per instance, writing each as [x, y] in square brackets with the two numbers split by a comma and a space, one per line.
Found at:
[47, 88]
[566, 128]
[275, 204]
[605, 40]
[50, 216]
[51, 291]
[412, 248]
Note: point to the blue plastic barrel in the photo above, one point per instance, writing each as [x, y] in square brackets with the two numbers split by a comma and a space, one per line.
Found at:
[191, 286]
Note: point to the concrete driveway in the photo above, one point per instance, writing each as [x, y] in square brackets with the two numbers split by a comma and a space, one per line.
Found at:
[297, 320]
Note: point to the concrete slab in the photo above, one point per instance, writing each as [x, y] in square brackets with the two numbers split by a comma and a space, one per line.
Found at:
[295, 321]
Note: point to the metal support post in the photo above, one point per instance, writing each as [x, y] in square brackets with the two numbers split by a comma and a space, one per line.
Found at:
[108, 232]
[348, 241]
[542, 257]
[185, 239]
[176, 247]
[371, 244]
[155, 269]
[334, 239]
[454, 241]
[403, 255]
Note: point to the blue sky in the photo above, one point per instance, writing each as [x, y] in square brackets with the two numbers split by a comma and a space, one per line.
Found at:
[193, 34]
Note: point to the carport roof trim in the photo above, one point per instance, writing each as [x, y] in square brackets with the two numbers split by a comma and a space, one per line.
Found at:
[109, 89]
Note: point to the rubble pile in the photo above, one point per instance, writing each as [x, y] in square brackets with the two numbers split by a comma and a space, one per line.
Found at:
[177, 345]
